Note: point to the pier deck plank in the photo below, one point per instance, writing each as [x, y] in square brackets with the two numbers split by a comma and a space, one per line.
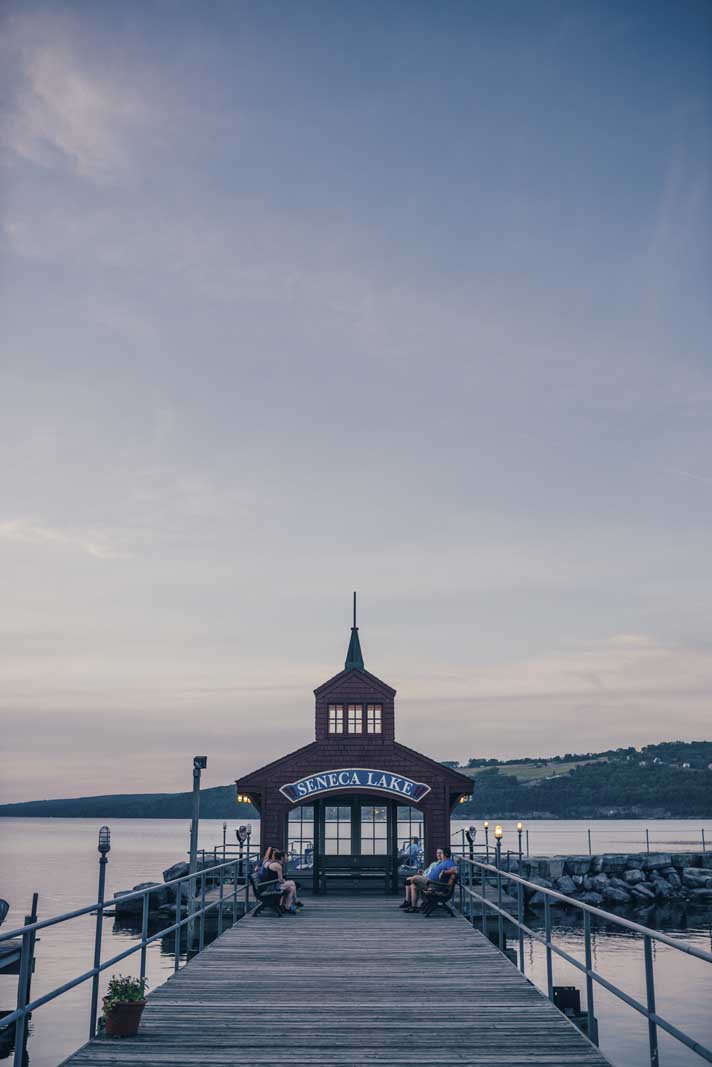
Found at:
[350, 981]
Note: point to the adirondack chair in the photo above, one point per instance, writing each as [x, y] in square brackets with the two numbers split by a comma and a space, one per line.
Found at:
[267, 894]
[437, 896]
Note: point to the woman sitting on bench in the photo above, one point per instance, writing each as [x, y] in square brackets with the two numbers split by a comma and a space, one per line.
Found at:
[275, 865]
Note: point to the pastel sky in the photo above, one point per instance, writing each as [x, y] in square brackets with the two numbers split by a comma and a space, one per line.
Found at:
[300, 298]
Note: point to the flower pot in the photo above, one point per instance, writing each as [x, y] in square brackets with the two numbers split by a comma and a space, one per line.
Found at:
[122, 1019]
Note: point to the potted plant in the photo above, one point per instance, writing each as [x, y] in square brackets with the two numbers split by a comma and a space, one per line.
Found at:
[124, 1002]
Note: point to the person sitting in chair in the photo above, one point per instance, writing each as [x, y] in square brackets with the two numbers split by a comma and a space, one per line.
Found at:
[275, 865]
[437, 871]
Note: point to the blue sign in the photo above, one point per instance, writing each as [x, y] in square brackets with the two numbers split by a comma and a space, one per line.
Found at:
[355, 778]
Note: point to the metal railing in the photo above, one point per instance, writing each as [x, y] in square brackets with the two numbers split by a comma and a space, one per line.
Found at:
[194, 894]
[642, 839]
[468, 894]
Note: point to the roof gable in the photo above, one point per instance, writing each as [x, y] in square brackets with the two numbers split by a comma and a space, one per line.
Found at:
[370, 679]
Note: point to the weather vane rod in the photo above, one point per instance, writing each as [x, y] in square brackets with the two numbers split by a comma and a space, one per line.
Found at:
[354, 611]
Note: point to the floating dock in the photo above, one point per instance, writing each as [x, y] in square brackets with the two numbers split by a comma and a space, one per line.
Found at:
[350, 981]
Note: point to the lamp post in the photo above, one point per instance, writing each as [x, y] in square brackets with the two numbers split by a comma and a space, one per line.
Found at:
[498, 860]
[487, 839]
[520, 827]
[224, 839]
[199, 764]
[104, 847]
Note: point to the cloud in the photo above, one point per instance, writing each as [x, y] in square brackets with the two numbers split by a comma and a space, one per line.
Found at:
[24, 531]
[62, 113]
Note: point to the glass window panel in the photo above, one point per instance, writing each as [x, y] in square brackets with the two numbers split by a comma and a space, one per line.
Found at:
[345, 814]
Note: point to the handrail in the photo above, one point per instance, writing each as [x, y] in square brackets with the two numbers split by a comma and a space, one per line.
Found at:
[648, 1010]
[89, 909]
[195, 915]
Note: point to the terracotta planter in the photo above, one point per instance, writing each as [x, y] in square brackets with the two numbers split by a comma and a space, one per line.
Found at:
[123, 1019]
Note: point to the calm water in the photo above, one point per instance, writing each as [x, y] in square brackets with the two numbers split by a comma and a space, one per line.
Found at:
[58, 859]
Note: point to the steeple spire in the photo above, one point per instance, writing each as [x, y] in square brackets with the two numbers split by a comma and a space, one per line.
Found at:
[354, 657]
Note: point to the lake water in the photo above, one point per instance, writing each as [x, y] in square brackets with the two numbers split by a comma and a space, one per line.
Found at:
[58, 859]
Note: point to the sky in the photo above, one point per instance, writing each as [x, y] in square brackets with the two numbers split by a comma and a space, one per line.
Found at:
[298, 299]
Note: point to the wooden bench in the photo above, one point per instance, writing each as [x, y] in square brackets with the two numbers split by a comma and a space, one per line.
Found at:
[267, 894]
[353, 868]
[437, 896]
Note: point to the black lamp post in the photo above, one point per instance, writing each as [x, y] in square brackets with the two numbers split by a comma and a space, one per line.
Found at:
[498, 859]
[104, 847]
[520, 827]
[487, 839]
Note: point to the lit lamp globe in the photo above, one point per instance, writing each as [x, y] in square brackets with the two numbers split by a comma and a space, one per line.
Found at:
[520, 827]
[104, 840]
[498, 832]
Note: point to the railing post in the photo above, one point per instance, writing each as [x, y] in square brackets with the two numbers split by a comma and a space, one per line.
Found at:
[179, 916]
[234, 893]
[500, 920]
[201, 942]
[650, 991]
[703, 840]
[592, 1026]
[589, 842]
[547, 931]
[520, 916]
[144, 933]
[484, 906]
[527, 833]
[647, 841]
[23, 986]
[97, 945]
[220, 905]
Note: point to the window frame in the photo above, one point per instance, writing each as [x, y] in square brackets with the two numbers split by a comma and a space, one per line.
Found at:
[335, 719]
[354, 720]
[374, 719]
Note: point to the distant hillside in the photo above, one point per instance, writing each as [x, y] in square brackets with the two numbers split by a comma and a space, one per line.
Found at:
[216, 803]
[664, 780]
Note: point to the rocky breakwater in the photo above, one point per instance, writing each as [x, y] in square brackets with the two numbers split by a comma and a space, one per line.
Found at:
[622, 881]
[161, 899]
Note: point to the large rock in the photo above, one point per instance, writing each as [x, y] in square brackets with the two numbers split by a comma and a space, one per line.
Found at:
[634, 876]
[577, 865]
[178, 870]
[697, 878]
[613, 862]
[551, 868]
[618, 883]
[600, 882]
[700, 896]
[566, 884]
[706, 860]
[685, 859]
[538, 880]
[661, 887]
[642, 893]
[655, 859]
[613, 895]
[671, 875]
[156, 899]
[577, 879]
[595, 899]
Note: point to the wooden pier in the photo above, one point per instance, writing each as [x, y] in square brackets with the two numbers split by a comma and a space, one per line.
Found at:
[350, 981]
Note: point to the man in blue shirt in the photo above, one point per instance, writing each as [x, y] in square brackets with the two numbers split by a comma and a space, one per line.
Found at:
[436, 872]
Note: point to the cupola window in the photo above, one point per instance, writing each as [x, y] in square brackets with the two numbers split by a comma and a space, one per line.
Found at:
[355, 719]
[373, 718]
[336, 718]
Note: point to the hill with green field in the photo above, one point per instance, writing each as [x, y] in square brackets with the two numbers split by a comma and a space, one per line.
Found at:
[670, 779]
